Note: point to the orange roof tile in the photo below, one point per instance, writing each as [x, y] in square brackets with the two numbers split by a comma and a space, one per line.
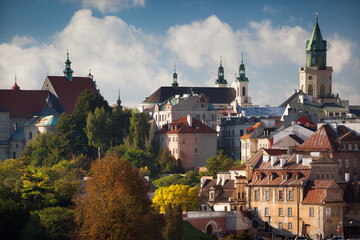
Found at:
[322, 140]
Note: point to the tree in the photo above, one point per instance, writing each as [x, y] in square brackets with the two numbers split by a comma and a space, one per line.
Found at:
[174, 223]
[115, 204]
[168, 163]
[176, 195]
[139, 130]
[220, 163]
[120, 124]
[98, 128]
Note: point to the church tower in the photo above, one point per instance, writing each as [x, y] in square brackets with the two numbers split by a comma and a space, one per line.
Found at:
[241, 87]
[175, 83]
[316, 77]
[221, 81]
[68, 71]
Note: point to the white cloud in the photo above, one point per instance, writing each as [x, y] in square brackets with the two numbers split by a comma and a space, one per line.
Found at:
[270, 9]
[339, 52]
[112, 6]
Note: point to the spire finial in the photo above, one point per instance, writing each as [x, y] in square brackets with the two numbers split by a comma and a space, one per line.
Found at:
[242, 57]
[174, 68]
[317, 16]
[119, 101]
[15, 79]
[220, 60]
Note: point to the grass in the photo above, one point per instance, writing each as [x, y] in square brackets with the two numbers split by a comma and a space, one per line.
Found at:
[192, 233]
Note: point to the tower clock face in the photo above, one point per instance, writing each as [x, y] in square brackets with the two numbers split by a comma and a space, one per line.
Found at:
[310, 77]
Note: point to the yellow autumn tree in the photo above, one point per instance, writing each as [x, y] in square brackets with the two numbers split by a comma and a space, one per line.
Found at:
[176, 195]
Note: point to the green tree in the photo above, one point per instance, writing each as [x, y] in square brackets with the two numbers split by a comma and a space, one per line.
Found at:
[174, 222]
[220, 163]
[168, 163]
[120, 125]
[176, 195]
[115, 204]
[98, 128]
[139, 130]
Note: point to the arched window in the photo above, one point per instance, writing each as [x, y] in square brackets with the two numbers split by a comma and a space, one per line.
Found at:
[310, 90]
[322, 91]
[319, 61]
[243, 91]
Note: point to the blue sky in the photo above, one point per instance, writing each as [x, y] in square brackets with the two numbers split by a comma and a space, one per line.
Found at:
[133, 45]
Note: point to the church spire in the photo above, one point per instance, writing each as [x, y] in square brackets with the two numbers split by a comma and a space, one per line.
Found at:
[68, 71]
[316, 48]
[119, 102]
[15, 87]
[242, 77]
[175, 83]
[221, 81]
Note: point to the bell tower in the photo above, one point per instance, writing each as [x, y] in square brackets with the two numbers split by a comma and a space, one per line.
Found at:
[316, 77]
[241, 87]
[221, 81]
[68, 71]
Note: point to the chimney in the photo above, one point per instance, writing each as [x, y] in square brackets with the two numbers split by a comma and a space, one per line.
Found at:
[273, 160]
[289, 150]
[306, 161]
[218, 179]
[147, 178]
[223, 180]
[282, 162]
[189, 120]
[347, 177]
[298, 158]
[266, 158]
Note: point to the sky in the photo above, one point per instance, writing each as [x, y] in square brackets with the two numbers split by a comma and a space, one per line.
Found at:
[134, 45]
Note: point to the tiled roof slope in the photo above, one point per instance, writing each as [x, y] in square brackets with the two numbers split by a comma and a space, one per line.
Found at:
[182, 126]
[322, 140]
[67, 91]
[315, 192]
[225, 191]
[23, 103]
[221, 95]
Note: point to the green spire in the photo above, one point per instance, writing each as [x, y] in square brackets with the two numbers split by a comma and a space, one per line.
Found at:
[119, 101]
[316, 48]
[175, 83]
[242, 77]
[221, 79]
[67, 71]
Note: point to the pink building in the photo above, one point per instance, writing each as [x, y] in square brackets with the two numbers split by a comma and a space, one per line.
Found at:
[189, 140]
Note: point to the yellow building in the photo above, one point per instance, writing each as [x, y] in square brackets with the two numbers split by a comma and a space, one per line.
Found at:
[283, 194]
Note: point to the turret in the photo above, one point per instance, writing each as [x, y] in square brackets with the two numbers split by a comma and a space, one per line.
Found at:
[68, 71]
[221, 81]
[175, 82]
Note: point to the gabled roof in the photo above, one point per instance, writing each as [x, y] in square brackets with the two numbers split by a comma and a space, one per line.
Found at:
[247, 135]
[322, 140]
[290, 140]
[67, 91]
[216, 95]
[43, 121]
[316, 192]
[182, 126]
[23, 103]
[293, 98]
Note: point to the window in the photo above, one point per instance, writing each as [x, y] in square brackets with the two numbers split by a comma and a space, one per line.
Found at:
[225, 208]
[281, 195]
[211, 197]
[267, 197]
[340, 163]
[241, 132]
[350, 147]
[337, 211]
[290, 195]
[280, 212]
[256, 194]
[196, 139]
[280, 225]
[311, 212]
[290, 212]
[169, 139]
[196, 150]
[14, 155]
[355, 163]
[332, 211]
[256, 211]
[17, 146]
[30, 135]
[266, 212]
[346, 163]
[14, 126]
[289, 225]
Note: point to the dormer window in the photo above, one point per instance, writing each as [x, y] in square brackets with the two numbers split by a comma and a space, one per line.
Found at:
[14, 126]
[211, 196]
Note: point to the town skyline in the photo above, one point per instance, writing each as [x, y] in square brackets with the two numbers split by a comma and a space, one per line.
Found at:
[129, 46]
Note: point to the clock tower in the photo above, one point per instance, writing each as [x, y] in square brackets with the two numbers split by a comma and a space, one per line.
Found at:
[316, 77]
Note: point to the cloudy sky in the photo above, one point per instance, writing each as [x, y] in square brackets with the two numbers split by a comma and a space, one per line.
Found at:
[133, 45]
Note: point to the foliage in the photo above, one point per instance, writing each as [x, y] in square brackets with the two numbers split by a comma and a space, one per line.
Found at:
[98, 128]
[120, 124]
[174, 223]
[220, 163]
[54, 222]
[139, 130]
[241, 236]
[168, 163]
[116, 205]
[183, 195]
[35, 188]
[190, 233]
[168, 180]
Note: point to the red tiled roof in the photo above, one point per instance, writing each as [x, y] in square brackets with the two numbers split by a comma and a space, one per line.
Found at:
[250, 128]
[304, 120]
[275, 152]
[316, 191]
[322, 140]
[182, 126]
[23, 103]
[68, 92]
